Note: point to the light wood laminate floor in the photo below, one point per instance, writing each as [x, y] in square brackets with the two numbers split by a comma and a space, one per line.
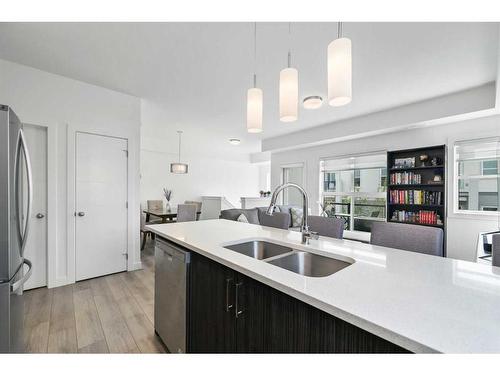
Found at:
[109, 314]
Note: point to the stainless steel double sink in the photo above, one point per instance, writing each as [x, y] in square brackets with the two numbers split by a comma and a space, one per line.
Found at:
[301, 262]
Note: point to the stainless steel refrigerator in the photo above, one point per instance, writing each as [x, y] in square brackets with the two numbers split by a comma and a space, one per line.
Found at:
[16, 194]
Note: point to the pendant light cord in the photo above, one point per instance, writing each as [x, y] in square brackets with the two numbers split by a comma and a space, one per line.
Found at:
[289, 44]
[339, 30]
[255, 55]
[180, 133]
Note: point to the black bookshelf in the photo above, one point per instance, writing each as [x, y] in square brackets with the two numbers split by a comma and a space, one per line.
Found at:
[415, 196]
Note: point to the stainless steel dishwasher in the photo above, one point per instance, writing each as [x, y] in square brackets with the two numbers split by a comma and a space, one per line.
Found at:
[171, 281]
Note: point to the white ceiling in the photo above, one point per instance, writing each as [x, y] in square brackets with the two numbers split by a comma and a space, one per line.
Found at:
[198, 73]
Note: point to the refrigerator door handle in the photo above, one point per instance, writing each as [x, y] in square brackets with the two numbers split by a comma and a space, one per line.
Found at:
[23, 232]
[19, 283]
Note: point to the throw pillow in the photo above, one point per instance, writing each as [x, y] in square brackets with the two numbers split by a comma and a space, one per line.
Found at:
[297, 214]
[242, 219]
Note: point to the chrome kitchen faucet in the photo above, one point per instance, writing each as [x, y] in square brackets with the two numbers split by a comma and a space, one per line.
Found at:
[304, 228]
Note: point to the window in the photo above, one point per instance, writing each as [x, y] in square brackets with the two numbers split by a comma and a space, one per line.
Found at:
[489, 167]
[294, 174]
[354, 189]
[476, 164]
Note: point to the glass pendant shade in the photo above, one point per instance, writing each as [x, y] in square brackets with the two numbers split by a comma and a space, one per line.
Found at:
[339, 72]
[313, 102]
[254, 110]
[289, 94]
[179, 168]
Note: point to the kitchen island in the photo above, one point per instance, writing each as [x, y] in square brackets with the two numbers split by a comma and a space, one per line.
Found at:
[388, 299]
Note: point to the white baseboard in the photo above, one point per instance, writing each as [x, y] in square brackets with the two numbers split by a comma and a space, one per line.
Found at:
[135, 266]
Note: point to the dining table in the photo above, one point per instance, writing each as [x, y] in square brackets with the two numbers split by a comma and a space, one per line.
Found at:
[166, 215]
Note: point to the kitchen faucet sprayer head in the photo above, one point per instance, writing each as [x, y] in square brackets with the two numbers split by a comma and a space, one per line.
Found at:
[270, 210]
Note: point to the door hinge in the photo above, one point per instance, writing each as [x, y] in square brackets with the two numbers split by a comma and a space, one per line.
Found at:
[125, 255]
[126, 204]
[126, 153]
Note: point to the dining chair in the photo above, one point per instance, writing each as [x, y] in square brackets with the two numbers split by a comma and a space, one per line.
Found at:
[197, 203]
[495, 250]
[155, 205]
[416, 238]
[144, 232]
[327, 226]
[210, 208]
[186, 212]
[280, 220]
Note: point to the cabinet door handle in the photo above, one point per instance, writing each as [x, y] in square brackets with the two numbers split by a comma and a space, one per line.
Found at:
[237, 311]
[229, 306]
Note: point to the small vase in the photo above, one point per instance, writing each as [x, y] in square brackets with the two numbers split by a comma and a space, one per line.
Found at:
[167, 206]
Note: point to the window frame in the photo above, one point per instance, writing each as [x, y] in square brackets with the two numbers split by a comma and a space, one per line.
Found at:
[353, 194]
[482, 168]
[453, 178]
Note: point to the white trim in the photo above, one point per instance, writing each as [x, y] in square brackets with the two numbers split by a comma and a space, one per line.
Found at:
[347, 156]
[302, 165]
[51, 190]
[292, 165]
[452, 191]
[132, 244]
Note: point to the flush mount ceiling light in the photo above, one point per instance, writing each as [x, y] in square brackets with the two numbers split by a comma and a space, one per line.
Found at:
[234, 141]
[313, 102]
[179, 168]
[339, 70]
[289, 89]
[254, 97]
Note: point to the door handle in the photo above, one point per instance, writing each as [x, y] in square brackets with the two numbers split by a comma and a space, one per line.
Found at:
[23, 232]
[40, 216]
[237, 311]
[228, 305]
[81, 214]
[14, 287]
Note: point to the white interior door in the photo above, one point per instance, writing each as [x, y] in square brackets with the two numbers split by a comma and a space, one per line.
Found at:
[36, 245]
[294, 174]
[101, 205]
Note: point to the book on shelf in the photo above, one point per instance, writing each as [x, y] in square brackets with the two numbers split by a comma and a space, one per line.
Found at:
[415, 197]
[417, 217]
[406, 178]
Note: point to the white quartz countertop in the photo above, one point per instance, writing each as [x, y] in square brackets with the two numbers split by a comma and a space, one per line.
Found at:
[420, 302]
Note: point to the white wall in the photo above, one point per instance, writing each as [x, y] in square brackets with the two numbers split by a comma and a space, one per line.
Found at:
[65, 105]
[207, 176]
[264, 176]
[461, 230]
[215, 168]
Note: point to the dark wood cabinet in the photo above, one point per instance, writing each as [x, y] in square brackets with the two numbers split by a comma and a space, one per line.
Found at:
[211, 326]
[252, 323]
[233, 313]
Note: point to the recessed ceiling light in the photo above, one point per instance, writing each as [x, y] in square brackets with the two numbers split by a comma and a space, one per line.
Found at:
[313, 102]
[234, 141]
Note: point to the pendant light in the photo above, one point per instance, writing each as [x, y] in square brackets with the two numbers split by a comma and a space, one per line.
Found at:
[179, 168]
[289, 89]
[254, 97]
[313, 102]
[339, 70]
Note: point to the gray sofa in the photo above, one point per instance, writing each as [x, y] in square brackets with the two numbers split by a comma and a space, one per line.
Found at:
[324, 226]
[253, 215]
